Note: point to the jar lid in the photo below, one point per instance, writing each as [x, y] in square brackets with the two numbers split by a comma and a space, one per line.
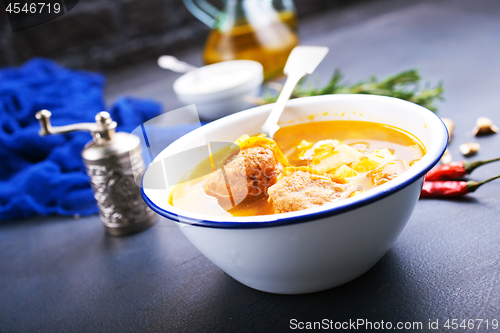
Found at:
[220, 80]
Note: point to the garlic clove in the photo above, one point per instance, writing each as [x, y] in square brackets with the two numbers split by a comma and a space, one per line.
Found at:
[450, 126]
[484, 126]
[469, 148]
[446, 158]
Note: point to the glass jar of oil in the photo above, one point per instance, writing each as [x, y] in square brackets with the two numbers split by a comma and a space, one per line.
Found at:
[260, 30]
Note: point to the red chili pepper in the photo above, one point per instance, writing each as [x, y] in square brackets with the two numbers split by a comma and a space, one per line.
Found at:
[455, 170]
[450, 188]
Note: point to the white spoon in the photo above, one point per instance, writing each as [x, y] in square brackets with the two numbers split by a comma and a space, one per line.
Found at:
[174, 64]
[302, 60]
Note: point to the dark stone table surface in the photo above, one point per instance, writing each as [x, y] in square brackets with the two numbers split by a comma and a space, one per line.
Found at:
[64, 274]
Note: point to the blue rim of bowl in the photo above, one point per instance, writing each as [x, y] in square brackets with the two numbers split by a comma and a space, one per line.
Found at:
[289, 220]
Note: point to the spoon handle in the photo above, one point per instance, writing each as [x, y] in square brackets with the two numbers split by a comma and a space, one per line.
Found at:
[174, 64]
[270, 127]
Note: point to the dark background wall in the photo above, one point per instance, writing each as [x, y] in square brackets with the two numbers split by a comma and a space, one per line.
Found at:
[109, 34]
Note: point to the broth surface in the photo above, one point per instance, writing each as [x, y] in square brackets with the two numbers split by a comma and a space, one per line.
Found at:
[191, 196]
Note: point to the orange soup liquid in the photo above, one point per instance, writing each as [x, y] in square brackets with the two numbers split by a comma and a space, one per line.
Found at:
[190, 195]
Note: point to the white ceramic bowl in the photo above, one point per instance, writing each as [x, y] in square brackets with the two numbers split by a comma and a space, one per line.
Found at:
[222, 88]
[323, 247]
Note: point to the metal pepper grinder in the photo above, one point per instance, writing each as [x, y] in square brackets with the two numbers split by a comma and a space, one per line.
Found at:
[111, 160]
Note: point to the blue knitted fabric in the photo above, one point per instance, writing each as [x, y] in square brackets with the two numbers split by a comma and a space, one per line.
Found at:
[46, 175]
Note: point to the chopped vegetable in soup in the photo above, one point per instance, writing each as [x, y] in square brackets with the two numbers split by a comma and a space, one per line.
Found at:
[305, 166]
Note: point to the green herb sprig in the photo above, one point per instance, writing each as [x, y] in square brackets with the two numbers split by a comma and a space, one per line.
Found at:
[404, 85]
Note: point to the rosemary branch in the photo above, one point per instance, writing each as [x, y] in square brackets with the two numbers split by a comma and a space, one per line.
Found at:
[404, 85]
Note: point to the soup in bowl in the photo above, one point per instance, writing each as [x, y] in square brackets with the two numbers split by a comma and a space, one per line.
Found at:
[316, 207]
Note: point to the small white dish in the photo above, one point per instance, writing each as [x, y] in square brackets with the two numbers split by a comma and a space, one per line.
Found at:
[319, 248]
[218, 90]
